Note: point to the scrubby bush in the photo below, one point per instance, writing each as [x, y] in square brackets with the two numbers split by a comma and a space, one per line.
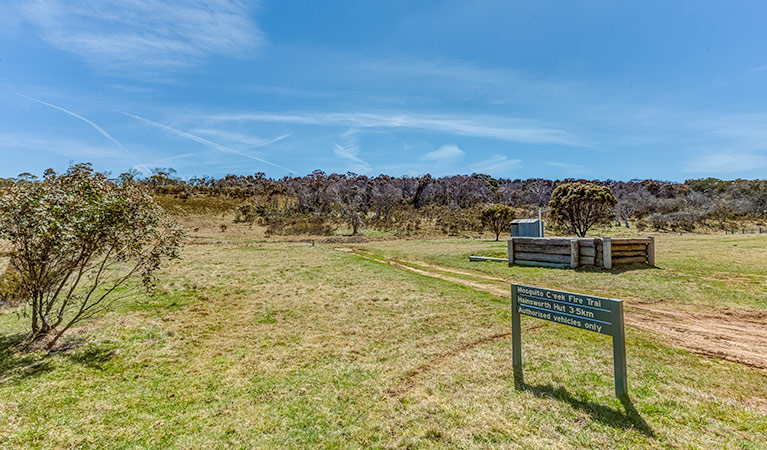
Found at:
[498, 218]
[579, 206]
[684, 220]
[658, 221]
[77, 239]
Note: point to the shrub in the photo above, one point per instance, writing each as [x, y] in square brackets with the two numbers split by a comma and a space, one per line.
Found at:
[77, 239]
[658, 221]
[579, 206]
[498, 218]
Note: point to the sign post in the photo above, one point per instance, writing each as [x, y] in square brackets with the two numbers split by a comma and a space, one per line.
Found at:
[597, 314]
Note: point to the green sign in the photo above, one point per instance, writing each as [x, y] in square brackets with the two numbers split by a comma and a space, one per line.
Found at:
[597, 314]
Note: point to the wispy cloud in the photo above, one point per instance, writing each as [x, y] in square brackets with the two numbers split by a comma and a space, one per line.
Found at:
[495, 127]
[496, 165]
[100, 130]
[727, 162]
[573, 168]
[72, 149]
[205, 142]
[744, 131]
[349, 149]
[146, 35]
[42, 151]
[445, 152]
[239, 138]
[467, 80]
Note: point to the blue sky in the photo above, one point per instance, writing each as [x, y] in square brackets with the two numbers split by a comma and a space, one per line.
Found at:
[593, 89]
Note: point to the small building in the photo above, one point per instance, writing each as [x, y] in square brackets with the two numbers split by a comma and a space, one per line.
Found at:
[526, 228]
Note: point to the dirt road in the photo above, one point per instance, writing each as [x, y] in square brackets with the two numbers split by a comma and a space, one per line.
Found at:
[730, 334]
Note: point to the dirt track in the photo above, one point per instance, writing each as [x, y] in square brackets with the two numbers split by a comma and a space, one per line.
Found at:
[730, 334]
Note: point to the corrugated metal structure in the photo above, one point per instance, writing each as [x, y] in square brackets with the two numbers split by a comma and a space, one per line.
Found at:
[526, 228]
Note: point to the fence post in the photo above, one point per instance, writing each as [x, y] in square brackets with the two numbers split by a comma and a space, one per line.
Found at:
[651, 251]
[510, 245]
[607, 253]
[516, 341]
[574, 253]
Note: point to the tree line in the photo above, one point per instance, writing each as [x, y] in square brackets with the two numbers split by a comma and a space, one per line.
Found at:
[320, 202]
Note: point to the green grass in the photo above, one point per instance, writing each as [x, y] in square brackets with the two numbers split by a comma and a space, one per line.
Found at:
[700, 270]
[284, 345]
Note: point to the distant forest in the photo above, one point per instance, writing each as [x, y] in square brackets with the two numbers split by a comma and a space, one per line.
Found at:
[320, 203]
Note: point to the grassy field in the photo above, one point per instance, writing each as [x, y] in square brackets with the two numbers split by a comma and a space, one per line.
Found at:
[701, 270]
[286, 345]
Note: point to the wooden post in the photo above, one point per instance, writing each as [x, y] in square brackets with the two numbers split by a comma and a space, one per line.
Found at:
[574, 253]
[598, 252]
[651, 251]
[516, 341]
[511, 251]
[607, 253]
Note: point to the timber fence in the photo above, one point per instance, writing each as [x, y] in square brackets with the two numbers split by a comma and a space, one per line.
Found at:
[602, 252]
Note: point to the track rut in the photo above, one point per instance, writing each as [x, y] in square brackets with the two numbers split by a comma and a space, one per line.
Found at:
[730, 334]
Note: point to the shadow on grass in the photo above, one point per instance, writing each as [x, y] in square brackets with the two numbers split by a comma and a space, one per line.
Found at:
[604, 414]
[18, 361]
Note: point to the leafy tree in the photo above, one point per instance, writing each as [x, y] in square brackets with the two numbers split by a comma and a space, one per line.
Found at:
[77, 239]
[498, 218]
[579, 206]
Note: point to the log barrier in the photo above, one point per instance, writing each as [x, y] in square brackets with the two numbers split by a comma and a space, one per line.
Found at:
[602, 252]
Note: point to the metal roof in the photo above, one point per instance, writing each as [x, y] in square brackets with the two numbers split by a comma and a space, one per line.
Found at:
[524, 221]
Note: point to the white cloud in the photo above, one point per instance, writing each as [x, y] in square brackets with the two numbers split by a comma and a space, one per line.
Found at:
[502, 128]
[145, 36]
[743, 131]
[42, 151]
[572, 168]
[203, 141]
[100, 130]
[450, 151]
[496, 165]
[727, 162]
[239, 138]
[349, 149]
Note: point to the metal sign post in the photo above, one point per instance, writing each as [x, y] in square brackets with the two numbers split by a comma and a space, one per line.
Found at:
[597, 314]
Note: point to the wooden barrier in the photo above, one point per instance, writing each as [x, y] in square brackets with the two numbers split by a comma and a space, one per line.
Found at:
[602, 252]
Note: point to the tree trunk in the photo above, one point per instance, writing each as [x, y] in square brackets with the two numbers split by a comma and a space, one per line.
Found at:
[35, 325]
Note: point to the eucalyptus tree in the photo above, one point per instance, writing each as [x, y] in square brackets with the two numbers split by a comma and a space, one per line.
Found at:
[498, 218]
[79, 240]
[580, 206]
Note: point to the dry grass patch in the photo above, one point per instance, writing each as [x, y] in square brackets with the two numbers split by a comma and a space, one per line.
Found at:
[284, 345]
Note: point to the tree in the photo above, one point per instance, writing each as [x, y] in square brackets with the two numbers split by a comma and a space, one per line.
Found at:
[351, 194]
[77, 240]
[579, 206]
[498, 218]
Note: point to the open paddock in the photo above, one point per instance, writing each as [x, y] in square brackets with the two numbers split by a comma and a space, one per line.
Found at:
[286, 345]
